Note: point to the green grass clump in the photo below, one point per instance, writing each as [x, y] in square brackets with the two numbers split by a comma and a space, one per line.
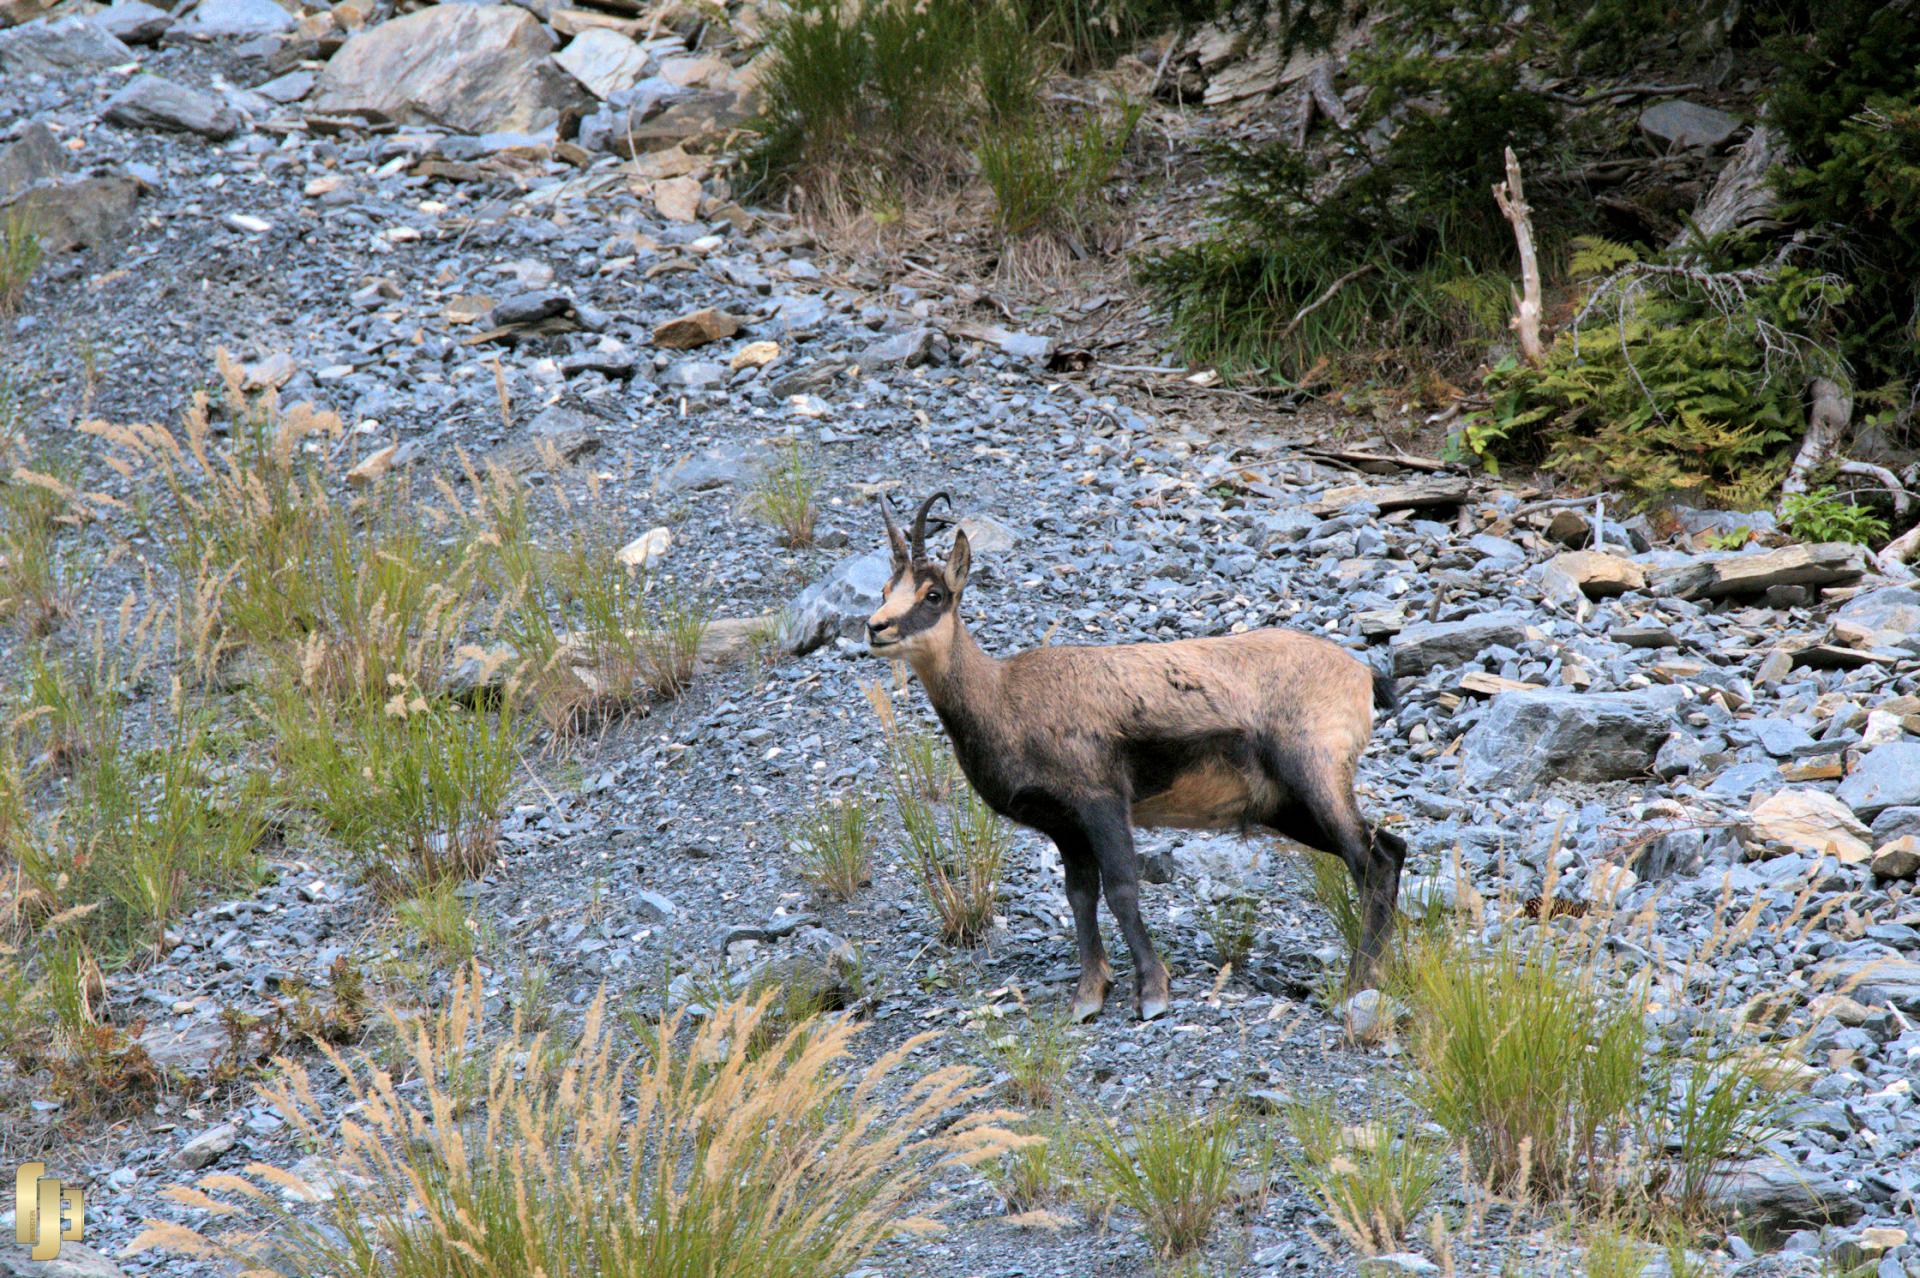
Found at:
[20, 255]
[831, 843]
[882, 94]
[1048, 177]
[783, 495]
[1036, 1054]
[1373, 1181]
[1176, 1170]
[412, 787]
[695, 1157]
[957, 855]
[1234, 924]
[140, 833]
[40, 571]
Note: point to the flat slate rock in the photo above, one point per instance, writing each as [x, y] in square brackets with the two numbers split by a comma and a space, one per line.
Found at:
[1441, 490]
[151, 102]
[1720, 576]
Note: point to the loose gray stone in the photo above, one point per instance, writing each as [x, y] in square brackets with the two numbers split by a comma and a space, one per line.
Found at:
[1530, 738]
[76, 1259]
[79, 212]
[149, 102]
[207, 1146]
[1427, 644]
[1683, 124]
[234, 19]
[1892, 823]
[1887, 776]
[62, 47]
[838, 604]
[134, 22]
[1782, 1195]
[718, 467]
[908, 349]
[32, 157]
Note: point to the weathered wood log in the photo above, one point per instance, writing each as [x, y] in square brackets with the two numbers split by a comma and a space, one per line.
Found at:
[1741, 195]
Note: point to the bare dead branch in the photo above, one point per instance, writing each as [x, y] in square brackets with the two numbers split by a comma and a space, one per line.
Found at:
[1511, 195]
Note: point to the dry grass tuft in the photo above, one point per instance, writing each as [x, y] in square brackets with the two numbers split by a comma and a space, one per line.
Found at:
[696, 1157]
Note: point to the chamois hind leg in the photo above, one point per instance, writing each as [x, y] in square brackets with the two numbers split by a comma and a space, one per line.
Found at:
[1324, 815]
[1083, 895]
[1111, 834]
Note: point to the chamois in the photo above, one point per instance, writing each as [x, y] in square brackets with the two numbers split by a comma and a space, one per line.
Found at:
[1083, 742]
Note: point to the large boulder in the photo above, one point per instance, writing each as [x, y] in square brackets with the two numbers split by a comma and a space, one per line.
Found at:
[839, 604]
[1427, 644]
[150, 102]
[1529, 738]
[1887, 776]
[470, 68]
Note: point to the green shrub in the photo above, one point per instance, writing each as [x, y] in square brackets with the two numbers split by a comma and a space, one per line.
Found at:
[1681, 380]
[1390, 261]
[1822, 515]
[1846, 98]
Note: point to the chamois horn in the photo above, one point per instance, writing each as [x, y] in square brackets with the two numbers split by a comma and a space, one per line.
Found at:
[894, 539]
[920, 524]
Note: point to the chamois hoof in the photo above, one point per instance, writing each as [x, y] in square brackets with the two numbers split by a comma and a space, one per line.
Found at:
[1090, 998]
[1152, 999]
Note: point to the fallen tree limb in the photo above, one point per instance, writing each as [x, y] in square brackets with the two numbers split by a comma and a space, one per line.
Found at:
[1894, 556]
[1512, 198]
[1320, 85]
[1741, 194]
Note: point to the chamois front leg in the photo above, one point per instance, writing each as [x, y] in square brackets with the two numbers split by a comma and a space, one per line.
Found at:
[1083, 895]
[1111, 833]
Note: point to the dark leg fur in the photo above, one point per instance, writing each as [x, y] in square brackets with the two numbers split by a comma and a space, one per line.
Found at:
[1111, 834]
[1083, 895]
[1325, 816]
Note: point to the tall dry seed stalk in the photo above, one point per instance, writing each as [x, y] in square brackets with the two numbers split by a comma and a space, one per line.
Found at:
[699, 1158]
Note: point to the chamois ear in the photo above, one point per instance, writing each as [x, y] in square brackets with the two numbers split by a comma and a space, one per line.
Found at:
[959, 561]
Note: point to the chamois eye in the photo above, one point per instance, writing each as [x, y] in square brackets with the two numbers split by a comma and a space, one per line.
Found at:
[935, 598]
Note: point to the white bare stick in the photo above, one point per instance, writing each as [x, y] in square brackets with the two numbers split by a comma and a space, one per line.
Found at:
[1512, 198]
[1902, 499]
[1901, 548]
[1826, 423]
